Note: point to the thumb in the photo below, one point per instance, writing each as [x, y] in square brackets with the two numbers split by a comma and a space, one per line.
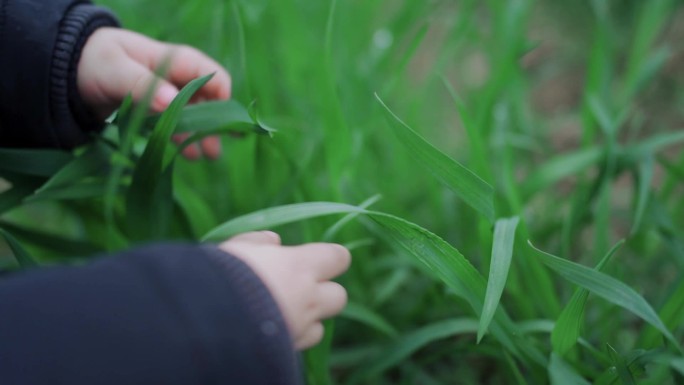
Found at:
[138, 81]
[257, 237]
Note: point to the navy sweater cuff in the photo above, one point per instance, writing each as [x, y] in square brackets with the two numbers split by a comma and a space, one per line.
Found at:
[270, 330]
[73, 121]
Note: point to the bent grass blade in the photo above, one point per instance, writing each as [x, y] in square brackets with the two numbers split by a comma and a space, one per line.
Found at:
[607, 288]
[466, 184]
[443, 260]
[502, 253]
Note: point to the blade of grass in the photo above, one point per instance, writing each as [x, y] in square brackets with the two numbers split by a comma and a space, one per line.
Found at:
[477, 146]
[334, 229]
[93, 188]
[567, 329]
[519, 378]
[23, 257]
[360, 313]
[65, 248]
[502, 253]
[652, 19]
[32, 162]
[406, 58]
[389, 287]
[623, 372]
[145, 211]
[644, 178]
[561, 373]
[672, 314]
[128, 122]
[215, 116]
[653, 144]
[466, 184]
[317, 358]
[607, 288]
[196, 209]
[560, 167]
[94, 161]
[277, 216]
[338, 141]
[22, 187]
[408, 344]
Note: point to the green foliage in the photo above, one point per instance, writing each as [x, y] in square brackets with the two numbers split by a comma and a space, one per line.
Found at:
[502, 253]
[567, 328]
[568, 127]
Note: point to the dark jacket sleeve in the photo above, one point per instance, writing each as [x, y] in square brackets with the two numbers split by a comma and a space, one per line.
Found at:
[40, 46]
[162, 314]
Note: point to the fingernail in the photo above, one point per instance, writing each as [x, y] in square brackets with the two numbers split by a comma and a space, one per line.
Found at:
[271, 234]
[340, 249]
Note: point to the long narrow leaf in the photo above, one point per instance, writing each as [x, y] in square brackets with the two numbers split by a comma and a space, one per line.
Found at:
[567, 329]
[645, 175]
[357, 312]
[466, 184]
[32, 162]
[277, 216]
[61, 246]
[653, 144]
[561, 167]
[22, 187]
[23, 257]
[623, 372]
[410, 343]
[502, 253]
[607, 288]
[145, 201]
[334, 229]
[93, 162]
[215, 116]
[561, 373]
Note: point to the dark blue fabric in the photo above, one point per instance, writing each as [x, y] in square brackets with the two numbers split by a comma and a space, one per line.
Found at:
[37, 40]
[162, 314]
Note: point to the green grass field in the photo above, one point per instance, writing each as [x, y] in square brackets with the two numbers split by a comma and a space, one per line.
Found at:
[508, 176]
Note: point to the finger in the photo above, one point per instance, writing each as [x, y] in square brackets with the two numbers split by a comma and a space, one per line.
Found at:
[259, 237]
[331, 298]
[211, 147]
[328, 260]
[180, 138]
[311, 337]
[192, 152]
[186, 64]
[136, 79]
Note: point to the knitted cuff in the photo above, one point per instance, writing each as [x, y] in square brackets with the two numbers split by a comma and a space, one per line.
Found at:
[71, 118]
[278, 357]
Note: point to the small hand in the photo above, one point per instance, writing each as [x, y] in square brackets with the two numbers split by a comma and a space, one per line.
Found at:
[116, 62]
[298, 277]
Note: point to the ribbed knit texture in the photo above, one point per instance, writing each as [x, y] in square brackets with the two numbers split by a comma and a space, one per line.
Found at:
[278, 356]
[70, 116]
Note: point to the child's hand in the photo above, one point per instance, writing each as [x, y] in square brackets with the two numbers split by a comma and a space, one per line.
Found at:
[298, 277]
[116, 62]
